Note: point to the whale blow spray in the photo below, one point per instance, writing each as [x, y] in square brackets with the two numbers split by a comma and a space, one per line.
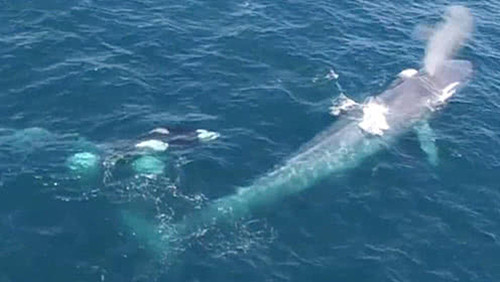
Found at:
[448, 37]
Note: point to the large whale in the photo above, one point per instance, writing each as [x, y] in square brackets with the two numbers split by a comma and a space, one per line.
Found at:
[407, 105]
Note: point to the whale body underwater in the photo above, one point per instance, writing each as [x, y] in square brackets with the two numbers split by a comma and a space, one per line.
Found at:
[406, 105]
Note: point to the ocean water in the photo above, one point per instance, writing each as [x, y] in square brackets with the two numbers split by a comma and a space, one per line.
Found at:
[91, 75]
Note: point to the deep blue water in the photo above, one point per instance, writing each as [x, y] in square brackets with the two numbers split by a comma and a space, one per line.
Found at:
[87, 74]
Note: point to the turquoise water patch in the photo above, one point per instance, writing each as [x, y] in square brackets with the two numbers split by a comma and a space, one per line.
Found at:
[148, 165]
[83, 162]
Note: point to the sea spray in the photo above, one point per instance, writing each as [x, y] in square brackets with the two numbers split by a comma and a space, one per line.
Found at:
[448, 37]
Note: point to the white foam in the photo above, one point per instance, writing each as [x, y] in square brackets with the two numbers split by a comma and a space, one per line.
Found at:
[374, 120]
[160, 130]
[407, 73]
[331, 75]
[342, 104]
[153, 144]
[448, 91]
[205, 135]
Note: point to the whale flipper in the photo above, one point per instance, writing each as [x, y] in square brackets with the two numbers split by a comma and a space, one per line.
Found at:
[427, 139]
